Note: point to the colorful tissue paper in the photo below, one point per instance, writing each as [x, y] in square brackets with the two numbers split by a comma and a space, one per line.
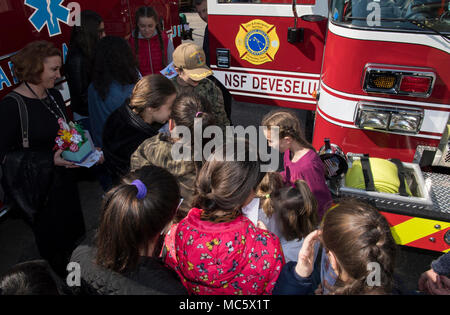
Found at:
[74, 141]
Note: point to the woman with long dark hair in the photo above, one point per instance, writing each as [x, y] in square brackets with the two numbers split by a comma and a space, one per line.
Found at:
[150, 44]
[123, 257]
[113, 77]
[79, 62]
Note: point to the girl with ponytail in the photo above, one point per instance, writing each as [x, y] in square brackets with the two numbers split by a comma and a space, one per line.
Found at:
[300, 159]
[271, 183]
[217, 249]
[359, 247]
[289, 212]
[123, 256]
[365, 243]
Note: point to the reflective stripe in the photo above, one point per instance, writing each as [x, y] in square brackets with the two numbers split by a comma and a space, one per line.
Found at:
[414, 229]
[418, 232]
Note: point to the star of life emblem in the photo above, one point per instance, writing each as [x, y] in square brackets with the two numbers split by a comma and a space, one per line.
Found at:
[48, 13]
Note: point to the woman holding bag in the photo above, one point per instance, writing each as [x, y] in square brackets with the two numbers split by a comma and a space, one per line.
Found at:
[35, 178]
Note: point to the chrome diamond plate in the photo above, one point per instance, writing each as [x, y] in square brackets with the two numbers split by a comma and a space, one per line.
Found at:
[440, 190]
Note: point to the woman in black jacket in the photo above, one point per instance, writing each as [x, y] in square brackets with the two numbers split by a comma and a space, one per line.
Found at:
[42, 185]
[79, 62]
[123, 259]
[139, 118]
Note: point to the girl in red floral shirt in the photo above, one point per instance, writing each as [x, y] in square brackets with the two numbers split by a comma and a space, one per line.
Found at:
[218, 250]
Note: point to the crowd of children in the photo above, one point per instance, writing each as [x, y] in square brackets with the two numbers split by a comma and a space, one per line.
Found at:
[172, 226]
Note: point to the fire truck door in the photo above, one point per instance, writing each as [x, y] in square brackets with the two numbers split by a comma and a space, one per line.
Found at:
[262, 53]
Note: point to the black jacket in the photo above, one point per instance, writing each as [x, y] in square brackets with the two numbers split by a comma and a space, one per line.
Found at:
[78, 76]
[150, 277]
[124, 131]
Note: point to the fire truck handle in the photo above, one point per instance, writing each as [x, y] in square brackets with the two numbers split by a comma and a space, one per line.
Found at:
[294, 10]
[295, 35]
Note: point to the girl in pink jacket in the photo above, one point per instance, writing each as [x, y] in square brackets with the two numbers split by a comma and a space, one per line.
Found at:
[218, 250]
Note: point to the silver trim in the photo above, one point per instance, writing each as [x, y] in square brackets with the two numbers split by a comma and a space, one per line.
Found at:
[384, 29]
[422, 200]
[8, 55]
[420, 150]
[3, 211]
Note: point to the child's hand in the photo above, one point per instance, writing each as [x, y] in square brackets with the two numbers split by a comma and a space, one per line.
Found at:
[427, 276]
[305, 263]
[443, 286]
[440, 287]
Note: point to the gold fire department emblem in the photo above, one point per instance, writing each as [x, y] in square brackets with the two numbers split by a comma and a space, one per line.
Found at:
[257, 42]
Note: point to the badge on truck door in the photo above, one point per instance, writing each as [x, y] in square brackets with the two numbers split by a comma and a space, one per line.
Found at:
[257, 42]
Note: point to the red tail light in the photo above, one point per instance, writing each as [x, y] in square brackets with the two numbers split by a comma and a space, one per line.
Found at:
[415, 84]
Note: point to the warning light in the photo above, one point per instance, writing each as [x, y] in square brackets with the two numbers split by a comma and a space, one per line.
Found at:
[415, 84]
[383, 82]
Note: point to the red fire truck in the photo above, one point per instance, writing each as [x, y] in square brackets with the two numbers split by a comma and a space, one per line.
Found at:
[375, 75]
[23, 21]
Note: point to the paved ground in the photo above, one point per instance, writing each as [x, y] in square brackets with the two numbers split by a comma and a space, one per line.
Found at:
[198, 27]
[17, 241]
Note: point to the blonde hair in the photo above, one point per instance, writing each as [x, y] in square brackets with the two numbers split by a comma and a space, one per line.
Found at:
[271, 183]
[289, 126]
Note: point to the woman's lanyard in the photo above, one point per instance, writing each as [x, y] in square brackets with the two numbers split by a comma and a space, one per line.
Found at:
[47, 105]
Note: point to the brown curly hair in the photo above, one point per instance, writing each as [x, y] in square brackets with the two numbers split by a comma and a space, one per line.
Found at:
[29, 61]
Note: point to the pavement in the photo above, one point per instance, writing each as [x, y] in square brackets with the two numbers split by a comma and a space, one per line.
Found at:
[198, 28]
[17, 240]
